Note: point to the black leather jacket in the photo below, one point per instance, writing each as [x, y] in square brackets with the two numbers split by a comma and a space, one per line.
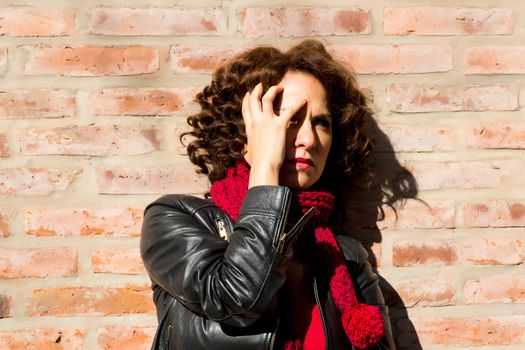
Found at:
[213, 293]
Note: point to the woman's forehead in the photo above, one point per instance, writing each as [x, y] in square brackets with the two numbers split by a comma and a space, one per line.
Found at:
[298, 86]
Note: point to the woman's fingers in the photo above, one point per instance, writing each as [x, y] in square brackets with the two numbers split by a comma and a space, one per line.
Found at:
[262, 106]
[257, 109]
[267, 100]
[254, 105]
[289, 112]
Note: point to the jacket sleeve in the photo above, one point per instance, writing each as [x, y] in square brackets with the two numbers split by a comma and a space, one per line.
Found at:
[230, 282]
[366, 284]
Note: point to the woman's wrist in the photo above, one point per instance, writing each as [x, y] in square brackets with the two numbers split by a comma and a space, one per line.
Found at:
[265, 175]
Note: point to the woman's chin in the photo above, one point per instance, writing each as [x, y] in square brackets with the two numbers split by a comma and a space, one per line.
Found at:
[299, 181]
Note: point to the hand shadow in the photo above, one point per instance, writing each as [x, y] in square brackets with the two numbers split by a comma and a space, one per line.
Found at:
[363, 208]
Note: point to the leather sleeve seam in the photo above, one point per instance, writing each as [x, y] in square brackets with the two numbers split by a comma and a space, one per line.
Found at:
[268, 214]
[250, 308]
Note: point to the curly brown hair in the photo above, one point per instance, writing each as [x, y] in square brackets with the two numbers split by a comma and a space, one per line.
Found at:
[218, 130]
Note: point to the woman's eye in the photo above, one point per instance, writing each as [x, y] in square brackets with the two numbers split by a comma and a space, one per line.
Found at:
[325, 123]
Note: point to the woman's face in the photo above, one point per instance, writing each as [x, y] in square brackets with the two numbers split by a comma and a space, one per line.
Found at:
[309, 136]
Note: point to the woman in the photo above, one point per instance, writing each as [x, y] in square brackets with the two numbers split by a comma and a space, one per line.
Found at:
[258, 266]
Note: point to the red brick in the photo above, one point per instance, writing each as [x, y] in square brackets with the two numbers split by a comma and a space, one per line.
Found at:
[36, 103]
[4, 145]
[497, 135]
[118, 222]
[496, 213]
[496, 289]
[437, 291]
[42, 339]
[126, 261]
[3, 60]
[90, 140]
[462, 331]
[126, 337]
[429, 253]
[465, 174]
[91, 60]
[150, 180]
[490, 251]
[35, 181]
[495, 60]
[5, 307]
[21, 263]
[415, 98]
[403, 59]
[203, 59]
[302, 21]
[4, 225]
[414, 215]
[415, 138]
[142, 102]
[36, 21]
[435, 252]
[82, 300]
[447, 21]
[158, 21]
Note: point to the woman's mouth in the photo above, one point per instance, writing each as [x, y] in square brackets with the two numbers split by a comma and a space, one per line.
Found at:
[303, 163]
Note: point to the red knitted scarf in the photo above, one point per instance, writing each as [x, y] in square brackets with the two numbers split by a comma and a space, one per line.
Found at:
[362, 323]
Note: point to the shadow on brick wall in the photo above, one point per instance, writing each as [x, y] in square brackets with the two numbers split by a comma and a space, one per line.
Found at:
[365, 208]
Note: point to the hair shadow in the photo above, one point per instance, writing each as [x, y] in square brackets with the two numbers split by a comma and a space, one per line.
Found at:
[362, 208]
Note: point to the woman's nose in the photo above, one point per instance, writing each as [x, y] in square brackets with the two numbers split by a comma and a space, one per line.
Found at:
[305, 135]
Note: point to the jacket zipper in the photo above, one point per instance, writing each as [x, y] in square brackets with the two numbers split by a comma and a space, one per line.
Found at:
[168, 335]
[222, 229]
[288, 236]
[281, 232]
[274, 335]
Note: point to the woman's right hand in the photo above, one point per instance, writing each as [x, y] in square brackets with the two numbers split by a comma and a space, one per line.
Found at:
[266, 134]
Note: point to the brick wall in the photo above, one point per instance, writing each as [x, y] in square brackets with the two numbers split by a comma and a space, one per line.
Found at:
[94, 93]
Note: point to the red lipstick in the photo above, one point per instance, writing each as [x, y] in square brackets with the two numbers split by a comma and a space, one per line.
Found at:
[303, 162]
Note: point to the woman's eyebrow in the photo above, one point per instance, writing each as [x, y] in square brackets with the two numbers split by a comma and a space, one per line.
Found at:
[323, 115]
